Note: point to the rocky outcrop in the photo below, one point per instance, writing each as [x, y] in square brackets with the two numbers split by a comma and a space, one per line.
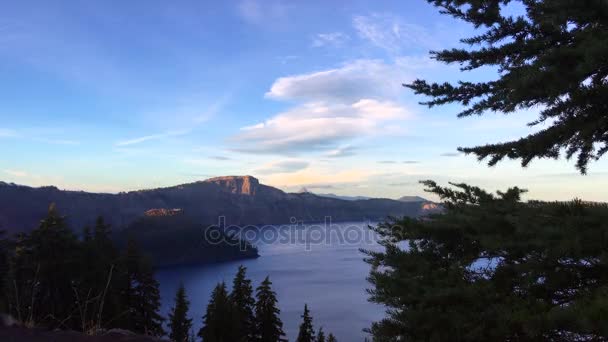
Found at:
[162, 212]
[239, 185]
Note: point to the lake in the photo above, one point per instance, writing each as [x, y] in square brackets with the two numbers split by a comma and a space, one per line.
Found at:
[313, 264]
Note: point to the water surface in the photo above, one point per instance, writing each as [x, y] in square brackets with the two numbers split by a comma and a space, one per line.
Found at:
[328, 274]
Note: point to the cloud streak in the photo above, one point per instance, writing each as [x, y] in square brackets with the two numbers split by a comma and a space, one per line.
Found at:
[392, 34]
[150, 137]
[332, 39]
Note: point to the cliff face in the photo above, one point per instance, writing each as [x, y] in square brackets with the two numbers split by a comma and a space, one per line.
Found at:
[239, 185]
[240, 200]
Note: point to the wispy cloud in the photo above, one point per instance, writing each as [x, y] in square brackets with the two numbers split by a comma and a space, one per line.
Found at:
[410, 162]
[450, 154]
[188, 114]
[145, 138]
[387, 162]
[332, 39]
[392, 33]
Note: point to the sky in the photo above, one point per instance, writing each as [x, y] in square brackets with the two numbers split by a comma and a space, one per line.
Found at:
[111, 96]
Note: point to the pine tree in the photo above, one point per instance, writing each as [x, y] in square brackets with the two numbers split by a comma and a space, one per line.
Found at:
[306, 332]
[331, 338]
[243, 303]
[268, 323]
[179, 323]
[320, 335]
[141, 295]
[493, 268]
[218, 319]
[44, 271]
[551, 57]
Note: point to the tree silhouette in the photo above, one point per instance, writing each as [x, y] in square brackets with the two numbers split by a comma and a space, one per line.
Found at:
[493, 268]
[269, 326]
[306, 332]
[217, 322]
[320, 335]
[179, 323]
[243, 303]
[551, 57]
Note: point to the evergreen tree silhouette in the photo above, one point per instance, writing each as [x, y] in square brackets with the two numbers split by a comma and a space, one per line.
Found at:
[320, 335]
[179, 323]
[306, 332]
[269, 326]
[243, 303]
[218, 319]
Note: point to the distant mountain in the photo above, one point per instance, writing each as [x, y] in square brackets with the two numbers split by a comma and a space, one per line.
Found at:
[240, 199]
[412, 199]
[346, 198]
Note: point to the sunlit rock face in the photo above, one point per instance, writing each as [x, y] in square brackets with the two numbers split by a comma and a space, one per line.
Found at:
[161, 212]
[241, 185]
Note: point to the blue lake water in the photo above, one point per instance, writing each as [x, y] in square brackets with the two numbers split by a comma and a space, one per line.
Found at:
[308, 264]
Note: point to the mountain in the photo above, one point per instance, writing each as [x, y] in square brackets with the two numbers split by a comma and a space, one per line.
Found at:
[240, 200]
[346, 198]
[412, 199]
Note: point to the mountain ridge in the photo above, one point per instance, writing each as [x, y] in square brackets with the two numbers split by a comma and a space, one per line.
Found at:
[240, 199]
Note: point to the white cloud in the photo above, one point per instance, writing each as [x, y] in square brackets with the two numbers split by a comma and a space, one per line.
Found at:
[392, 34]
[351, 82]
[332, 39]
[317, 126]
[283, 166]
[334, 107]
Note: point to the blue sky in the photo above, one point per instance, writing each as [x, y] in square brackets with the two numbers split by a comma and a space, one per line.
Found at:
[122, 95]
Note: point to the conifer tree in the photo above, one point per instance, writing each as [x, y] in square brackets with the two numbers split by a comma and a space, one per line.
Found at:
[269, 326]
[217, 322]
[321, 335]
[552, 56]
[142, 296]
[493, 268]
[331, 338]
[179, 323]
[45, 268]
[243, 303]
[306, 332]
